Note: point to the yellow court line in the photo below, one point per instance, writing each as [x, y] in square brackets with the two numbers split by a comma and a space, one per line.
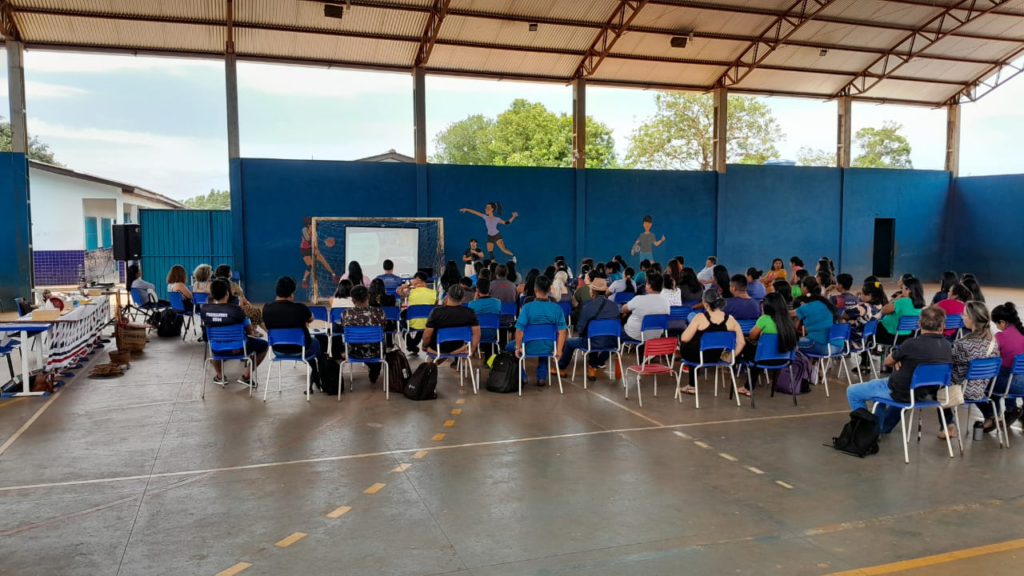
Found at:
[235, 569]
[419, 454]
[701, 444]
[933, 560]
[402, 468]
[784, 485]
[460, 401]
[449, 423]
[375, 488]
[457, 411]
[728, 457]
[339, 512]
[438, 437]
[755, 470]
[291, 540]
[13, 401]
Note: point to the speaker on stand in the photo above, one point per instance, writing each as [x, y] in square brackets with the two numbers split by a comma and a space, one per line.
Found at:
[127, 242]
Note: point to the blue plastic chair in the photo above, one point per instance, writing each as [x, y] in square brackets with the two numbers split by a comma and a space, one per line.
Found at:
[223, 343]
[178, 306]
[955, 322]
[540, 333]
[463, 334]
[979, 369]
[907, 324]
[839, 347]
[747, 325]
[610, 328]
[768, 357]
[509, 311]
[362, 335]
[288, 337]
[392, 314]
[623, 297]
[320, 313]
[924, 375]
[868, 341]
[566, 307]
[677, 319]
[488, 322]
[711, 341]
[142, 304]
[417, 312]
[1015, 371]
[7, 350]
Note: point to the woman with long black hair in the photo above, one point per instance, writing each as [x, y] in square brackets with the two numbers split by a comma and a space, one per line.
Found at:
[816, 315]
[721, 274]
[909, 301]
[949, 279]
[355, 274]
[450, 276]
[775, 320]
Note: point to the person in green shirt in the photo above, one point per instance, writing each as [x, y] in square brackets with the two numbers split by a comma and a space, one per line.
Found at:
[775, 320]
[909, 301]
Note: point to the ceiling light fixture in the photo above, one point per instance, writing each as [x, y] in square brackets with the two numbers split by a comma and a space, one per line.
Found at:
[533, 26]
[823, 52]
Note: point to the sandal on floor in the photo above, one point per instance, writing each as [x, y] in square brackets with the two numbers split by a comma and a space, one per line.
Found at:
[689, 390]
[951, 432]
[743, 392]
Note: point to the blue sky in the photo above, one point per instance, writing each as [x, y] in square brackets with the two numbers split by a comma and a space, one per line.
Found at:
[160, 123]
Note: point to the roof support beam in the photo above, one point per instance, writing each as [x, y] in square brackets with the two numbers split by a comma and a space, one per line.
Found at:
[8, 27]
[772, 37]
[844, 135]
[953, 139]
[438, 11]
[610, 33]
[927, 4]
[924, 34]
[419, 113]
[720, 133]
[991, 79]
[579, 123]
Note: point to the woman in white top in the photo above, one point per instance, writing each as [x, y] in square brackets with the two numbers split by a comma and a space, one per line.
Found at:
[355, 274]
[343, 295]
[559, 288]
[201, 278]
[624, 284]
[671, 292]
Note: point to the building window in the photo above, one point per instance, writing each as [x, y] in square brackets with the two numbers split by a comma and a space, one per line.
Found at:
[127, 218]
[105, 232]
[91, 233]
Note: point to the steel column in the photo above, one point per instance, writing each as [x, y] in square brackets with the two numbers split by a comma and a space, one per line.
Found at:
[579, 123]
[419, 113]
[721, 128]
[844, 133]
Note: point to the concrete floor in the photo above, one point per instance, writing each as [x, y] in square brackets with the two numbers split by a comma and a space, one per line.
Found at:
[140, 476]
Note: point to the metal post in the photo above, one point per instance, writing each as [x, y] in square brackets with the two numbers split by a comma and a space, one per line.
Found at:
[721, 128]
[579, 123]
[231, 89]
[419, 112]
[16, 95]
[953, 139]
[844, 133]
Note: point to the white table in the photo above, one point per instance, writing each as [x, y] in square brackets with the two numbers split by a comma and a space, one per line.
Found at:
[62, 341]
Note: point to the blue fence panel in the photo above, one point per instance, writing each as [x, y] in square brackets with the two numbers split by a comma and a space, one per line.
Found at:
[185, 237]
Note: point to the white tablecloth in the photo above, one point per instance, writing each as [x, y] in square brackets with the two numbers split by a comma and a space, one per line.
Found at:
[71, 336]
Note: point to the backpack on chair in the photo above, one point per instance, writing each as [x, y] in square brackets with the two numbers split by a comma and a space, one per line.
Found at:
[859, 436]
[800, 381]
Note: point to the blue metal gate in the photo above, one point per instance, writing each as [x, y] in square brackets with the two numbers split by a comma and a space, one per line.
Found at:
[186, 237]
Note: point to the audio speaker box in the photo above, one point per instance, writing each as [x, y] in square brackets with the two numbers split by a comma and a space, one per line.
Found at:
[127, 242]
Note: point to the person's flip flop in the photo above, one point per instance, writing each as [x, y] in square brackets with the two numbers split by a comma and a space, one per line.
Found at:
[744, 392]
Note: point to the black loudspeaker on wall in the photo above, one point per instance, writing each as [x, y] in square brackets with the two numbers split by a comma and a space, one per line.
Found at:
[127, 242]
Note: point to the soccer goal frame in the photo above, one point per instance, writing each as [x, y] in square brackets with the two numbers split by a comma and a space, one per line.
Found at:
[436, 260]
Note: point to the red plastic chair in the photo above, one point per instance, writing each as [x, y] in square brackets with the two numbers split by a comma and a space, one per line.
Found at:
[654, 348]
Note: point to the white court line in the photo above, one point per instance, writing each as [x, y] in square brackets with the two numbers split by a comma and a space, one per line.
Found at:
[614, 403]
[405, 451]
[682, 435]
[24, 427]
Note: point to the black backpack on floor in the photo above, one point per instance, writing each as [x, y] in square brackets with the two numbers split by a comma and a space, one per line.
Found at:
[860, 435]
[422, 384]
[168, 323]
[503, 378]
[328, 372]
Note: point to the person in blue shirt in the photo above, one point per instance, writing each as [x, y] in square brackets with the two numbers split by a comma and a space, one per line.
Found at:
[540, 311]
[598, 308]
[485, 304]
[641, 276]
[755, 289]
[391, 280]
[816, 315]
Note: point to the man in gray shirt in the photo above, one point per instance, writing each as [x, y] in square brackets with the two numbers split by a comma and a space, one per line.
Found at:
[501, 288]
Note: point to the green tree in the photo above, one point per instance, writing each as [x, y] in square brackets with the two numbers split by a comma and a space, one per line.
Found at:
[215, 200]
[807, 156]
[37, 150]
[526, 134]
[882, 147]
[680, 135]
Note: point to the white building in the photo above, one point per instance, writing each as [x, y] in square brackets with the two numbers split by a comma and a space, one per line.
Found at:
[72, 217]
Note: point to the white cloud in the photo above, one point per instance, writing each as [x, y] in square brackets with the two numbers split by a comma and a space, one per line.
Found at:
[85, 63]
[35, 90]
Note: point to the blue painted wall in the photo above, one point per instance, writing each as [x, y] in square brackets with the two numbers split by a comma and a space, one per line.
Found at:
[986, 234]
[767, 212]
[916, 199]
[278, 194]
[16, 255]
[543, 197]
[185, 237]
[681, 203]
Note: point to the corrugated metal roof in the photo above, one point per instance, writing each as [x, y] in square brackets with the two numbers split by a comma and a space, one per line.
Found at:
[492, 38]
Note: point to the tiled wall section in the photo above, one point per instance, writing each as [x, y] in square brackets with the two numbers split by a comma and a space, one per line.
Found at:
[58, 267]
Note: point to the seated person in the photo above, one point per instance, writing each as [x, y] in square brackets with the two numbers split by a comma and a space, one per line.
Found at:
[626, 284]
[417, 293]
[648, 304]
[774, 320]
[218, 312]
[147, 291]
[501, 287]
[201, 278]
[670, 291]
[484, 303]
[391, 280]
[381, 298]
[869, 308]
[176, 279]
[540, 310]
[741, 306]
[909, 302]
[798, 299]
[928, 348]
[343, 295]
[979, 343]
[816, 316]
[451, 314]
[285, 312]
[598, 307]
[253, 312]
[641, 276]
[949, 279]
[707, 275]
[355, 275]
[1011, 343]
[843, 298]
[755, 289]
[560, 287]
[954, 303]
[712, 319]
[467, 289]
[362, 314]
